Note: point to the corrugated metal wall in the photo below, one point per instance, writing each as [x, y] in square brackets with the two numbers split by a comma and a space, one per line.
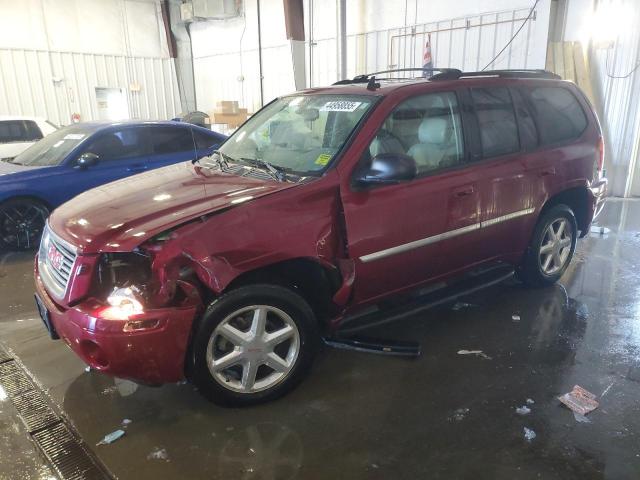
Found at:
[55, 85]
[468, 43]
[619, 99]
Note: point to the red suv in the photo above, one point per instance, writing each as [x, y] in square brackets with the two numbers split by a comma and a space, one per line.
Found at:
[323, 204]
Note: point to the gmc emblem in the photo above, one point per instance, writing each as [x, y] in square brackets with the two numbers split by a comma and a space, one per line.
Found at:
[55, 257]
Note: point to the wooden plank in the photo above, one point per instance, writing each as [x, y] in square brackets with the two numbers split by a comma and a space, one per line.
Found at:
[583, 78]
[570, 73]
[558, 59]
[548, 65]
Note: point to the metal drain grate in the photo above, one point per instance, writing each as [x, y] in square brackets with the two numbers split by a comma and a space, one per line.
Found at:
[16, 384]
[34, 411]
[66, 455]
[8, 368]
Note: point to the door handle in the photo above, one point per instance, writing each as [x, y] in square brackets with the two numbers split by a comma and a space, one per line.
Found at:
[548, 171]
[463, 191]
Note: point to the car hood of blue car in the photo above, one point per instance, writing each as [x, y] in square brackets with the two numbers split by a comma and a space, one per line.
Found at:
[10, 172]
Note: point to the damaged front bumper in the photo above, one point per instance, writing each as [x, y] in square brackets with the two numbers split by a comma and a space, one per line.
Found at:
[148, 348]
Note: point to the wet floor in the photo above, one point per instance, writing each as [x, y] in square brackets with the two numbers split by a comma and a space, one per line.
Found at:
[444, 415]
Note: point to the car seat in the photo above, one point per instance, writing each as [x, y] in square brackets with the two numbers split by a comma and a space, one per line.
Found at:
[435, 148]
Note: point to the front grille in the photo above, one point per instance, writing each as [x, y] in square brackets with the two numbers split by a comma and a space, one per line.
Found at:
[55, 263]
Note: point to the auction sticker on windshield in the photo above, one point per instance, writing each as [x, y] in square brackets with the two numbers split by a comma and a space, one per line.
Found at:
[340, 106]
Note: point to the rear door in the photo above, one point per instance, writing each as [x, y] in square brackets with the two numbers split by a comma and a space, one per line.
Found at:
[170, 144]
[398, 233]
[502, 143]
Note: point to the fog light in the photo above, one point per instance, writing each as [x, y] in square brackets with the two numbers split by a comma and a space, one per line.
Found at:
[123, 304]
[136, 325]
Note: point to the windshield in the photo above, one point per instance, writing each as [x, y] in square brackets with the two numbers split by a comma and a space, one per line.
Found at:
[53, 148]
[299, 134]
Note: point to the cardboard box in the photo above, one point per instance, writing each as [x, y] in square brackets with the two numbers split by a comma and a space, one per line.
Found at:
[227, 106]
[232, 119]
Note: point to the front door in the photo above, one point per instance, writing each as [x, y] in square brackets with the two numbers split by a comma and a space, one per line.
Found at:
[397, 233]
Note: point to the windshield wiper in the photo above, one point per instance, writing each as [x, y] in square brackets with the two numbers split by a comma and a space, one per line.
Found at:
[277, 172]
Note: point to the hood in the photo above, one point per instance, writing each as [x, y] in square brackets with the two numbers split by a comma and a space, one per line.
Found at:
[7, 168]
[121, 215]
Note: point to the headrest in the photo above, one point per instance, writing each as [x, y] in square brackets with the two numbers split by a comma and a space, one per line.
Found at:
[433, 130]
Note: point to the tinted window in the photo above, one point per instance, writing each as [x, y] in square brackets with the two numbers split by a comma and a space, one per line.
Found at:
[528, 130]
[119, 144]
[497, 121]
[19, 131]
[427, 128]
[203, 140]
[171, 140]
[559, 114]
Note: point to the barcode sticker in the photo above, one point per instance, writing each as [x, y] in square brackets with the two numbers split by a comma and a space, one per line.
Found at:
[340, 106]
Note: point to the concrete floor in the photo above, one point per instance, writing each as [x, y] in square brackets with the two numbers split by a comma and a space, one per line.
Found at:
[363, 416]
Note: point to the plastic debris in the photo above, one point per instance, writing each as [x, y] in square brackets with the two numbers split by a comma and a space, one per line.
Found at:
[579, 400]
[606, 390]
[580, 418]
[478, 353]
[530, 401]
[461, 305]
[126, 422]
[111, 437]
[159, 454]
[515, 318]
[87, 369]
[529, 434]
[459, 414]
[599, 229]
[523, 410]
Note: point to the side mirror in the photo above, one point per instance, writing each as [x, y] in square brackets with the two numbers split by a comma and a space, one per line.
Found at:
[385, 169]
[87, 160]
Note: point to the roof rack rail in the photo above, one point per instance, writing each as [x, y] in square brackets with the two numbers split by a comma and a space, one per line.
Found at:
[370, 78]
[515, 73]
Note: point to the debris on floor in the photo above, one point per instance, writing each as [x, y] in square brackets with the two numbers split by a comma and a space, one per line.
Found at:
[461, 305]
[600, 230]
[606, 390]
[515, 317]
[159, 454]
[529, 434]
[87, 369]
[111, 437]
[126, 422]
[478, 353]
[459, 414]
[530, 401]
[523, 410]
[580, 418]
[579, 400]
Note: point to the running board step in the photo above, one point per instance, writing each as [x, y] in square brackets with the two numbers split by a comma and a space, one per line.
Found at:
[448, 293]
[395, 348]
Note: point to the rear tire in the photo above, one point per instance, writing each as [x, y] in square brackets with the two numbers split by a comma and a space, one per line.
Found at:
[254, 344]
[551, 248]
[21, 224]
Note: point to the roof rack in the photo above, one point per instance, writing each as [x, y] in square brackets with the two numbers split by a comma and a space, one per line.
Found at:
[451, 74]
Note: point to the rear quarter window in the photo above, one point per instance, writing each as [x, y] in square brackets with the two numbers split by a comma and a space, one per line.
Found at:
[559, 114]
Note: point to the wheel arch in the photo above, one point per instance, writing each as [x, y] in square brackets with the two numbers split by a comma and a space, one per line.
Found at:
[30, 197]
[577, 199]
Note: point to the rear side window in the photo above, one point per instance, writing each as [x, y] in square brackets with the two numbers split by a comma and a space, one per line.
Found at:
[167, 140]
[497, 121]
[203, 140]
[19, 131]
[560, 117]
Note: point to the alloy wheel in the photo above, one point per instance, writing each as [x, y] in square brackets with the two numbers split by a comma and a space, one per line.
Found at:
[253, 349]
[555, 248]
[21, 224]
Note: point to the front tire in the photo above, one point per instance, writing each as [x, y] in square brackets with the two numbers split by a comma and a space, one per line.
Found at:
[21, 224]
[254, 344]
[551, 248]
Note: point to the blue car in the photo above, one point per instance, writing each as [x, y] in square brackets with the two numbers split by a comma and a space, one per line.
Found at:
[82, 156]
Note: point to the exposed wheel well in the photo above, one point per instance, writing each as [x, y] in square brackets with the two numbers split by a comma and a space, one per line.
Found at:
[316, 283]
[577, 199]
[31, 198]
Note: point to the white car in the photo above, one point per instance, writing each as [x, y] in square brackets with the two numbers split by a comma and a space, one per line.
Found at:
[19, 133]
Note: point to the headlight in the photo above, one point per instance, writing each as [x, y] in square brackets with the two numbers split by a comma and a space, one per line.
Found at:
[123, 304]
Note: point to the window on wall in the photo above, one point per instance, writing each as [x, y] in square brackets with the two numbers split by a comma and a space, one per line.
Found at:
[497, 121]
[560, 117]
[427, 128]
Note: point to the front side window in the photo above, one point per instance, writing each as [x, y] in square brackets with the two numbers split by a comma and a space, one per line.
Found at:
[299, 134]
[427, 128]
[496, 120]
[560, 117]
[119, 144]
